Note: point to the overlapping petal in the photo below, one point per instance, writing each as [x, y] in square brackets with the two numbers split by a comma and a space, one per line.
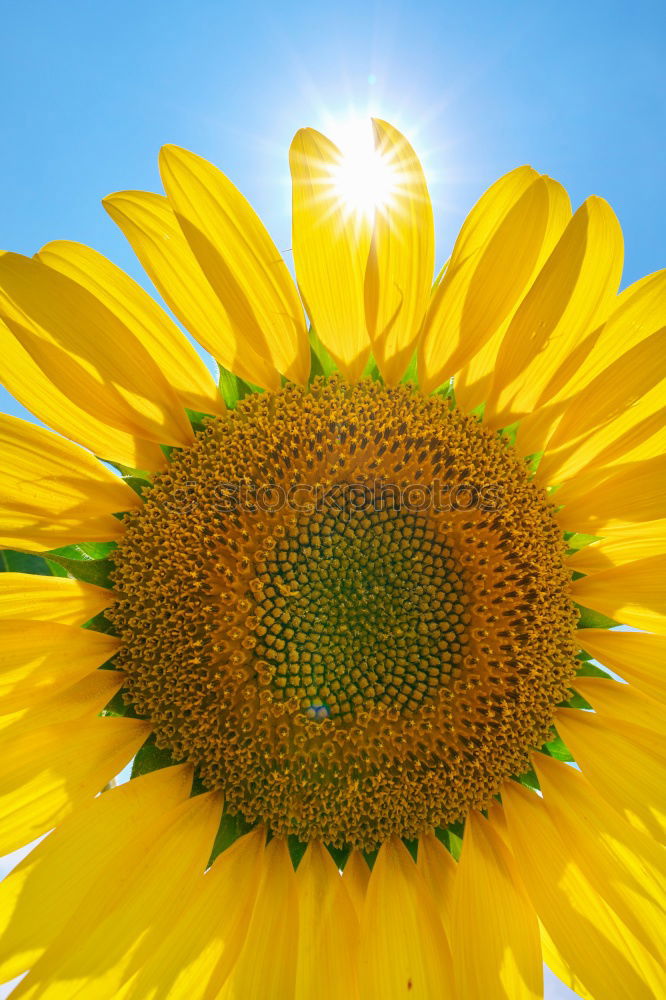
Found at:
[87, 354]
[53, 493]
[177, 359]
[331, 247]
[401, 259]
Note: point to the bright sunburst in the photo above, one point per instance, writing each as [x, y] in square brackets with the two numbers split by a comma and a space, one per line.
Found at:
[365, 178]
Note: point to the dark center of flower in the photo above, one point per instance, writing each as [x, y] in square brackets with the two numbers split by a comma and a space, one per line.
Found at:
[348, 608]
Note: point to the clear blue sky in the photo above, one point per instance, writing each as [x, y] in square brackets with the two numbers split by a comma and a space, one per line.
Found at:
[90, 90]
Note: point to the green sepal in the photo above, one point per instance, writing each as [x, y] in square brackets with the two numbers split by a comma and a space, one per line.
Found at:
[594, 619]
[151, 758]
[321, 362]
[557, 748]
[118, 706]
[339, 854]
[29, 562]
[528, 779]
[140, 486]
[452, 838]
[510, 432]
[85, 551]
[412, 846]
[589, 669]
[575, 701]
[371, 370]
[577, 540]
[411, 376]
[127, 472]
[370, 857]
[229, 830]
[96, 571]
[233, 389]
[296, 850]
[100, 623]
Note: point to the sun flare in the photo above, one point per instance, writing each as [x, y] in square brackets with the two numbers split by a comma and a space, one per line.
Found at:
[365, 179]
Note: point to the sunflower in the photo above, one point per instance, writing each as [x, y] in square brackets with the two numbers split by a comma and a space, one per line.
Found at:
[345, 612]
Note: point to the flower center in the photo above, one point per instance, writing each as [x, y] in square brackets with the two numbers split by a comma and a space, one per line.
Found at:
[348, 607]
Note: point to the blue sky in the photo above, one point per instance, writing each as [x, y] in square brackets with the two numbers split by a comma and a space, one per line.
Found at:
[89, 92]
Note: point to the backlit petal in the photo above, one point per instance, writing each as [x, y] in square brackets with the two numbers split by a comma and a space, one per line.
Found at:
[151, 227]
[491, 906]
[44, 598]
[573, 294]
[591, 938]
[484, 285]
[53, 493]
[240, 260]
[48, 771]
[638, 657]
[403, 950]
[330, 252]
[136, 310]
[618, 761]
[88, 353]
[402, 257]
[633, 594]
[44, 890]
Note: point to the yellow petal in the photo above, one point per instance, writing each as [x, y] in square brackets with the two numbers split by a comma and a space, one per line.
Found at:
[489, 211]
[635, 434]
[403, 948]
[612, 700]
[44, 890]
[480, 292]
[474, 381]
[439, 871]
[33, 387]
[618, 763]
[188, 955]
[150, 225]
[402, 257]
[99, 947]
[573, 294]
[632, 594]
[84, 699]
[610, 369]
[555, 962]
[633, 494]
[638, 313]
[240, 260]
[637, 657]
[266, 966]
[622, 544]
[331, 249]
[490, 905]
[50, 599]
[136, 310]
[590, 937]
[328, 930]
[47, 772]
[616, 389]
[627, 870]
[357, 876]
[37, 659]
[53, 493]
[87, 353]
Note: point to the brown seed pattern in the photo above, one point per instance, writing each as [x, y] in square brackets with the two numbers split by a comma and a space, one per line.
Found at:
[363, 665]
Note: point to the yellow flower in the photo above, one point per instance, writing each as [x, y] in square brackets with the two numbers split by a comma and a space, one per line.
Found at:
[344, 612]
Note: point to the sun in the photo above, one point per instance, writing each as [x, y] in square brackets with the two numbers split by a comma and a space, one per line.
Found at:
[365, 179]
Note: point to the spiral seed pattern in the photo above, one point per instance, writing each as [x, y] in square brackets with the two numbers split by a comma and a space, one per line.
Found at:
[344, 662]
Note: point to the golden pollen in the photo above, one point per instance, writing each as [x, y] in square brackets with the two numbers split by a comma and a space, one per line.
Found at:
[348, 607]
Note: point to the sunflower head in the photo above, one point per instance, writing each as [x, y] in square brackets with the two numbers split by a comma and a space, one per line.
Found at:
[345, 610]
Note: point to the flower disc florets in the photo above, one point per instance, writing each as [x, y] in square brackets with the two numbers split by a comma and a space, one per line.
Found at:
[348, 607]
